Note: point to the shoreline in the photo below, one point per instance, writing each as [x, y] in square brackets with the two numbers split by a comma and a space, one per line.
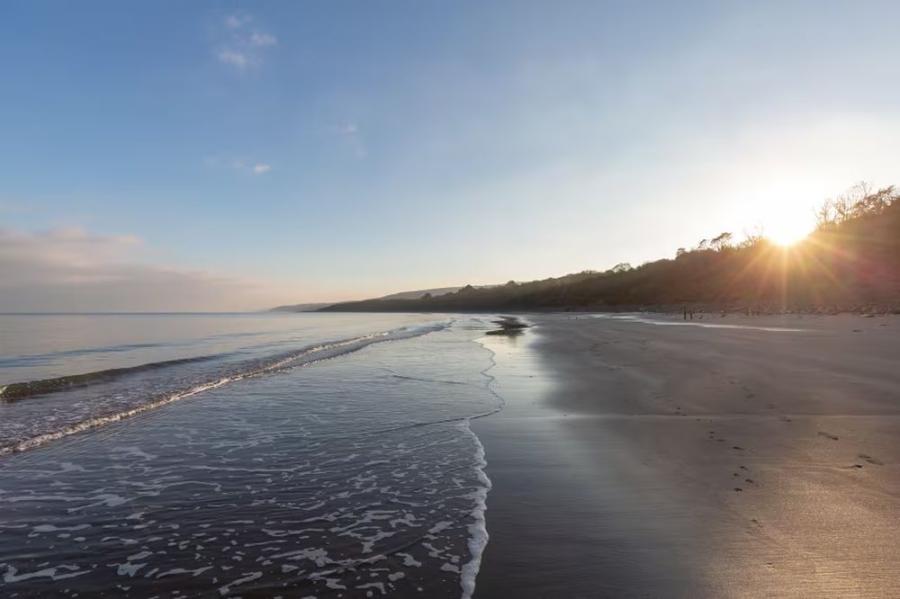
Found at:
[641, 460]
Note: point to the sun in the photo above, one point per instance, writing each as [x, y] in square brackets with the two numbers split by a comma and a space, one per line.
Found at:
[788, 231]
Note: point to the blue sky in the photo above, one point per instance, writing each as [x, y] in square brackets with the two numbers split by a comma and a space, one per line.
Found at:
[234, 155]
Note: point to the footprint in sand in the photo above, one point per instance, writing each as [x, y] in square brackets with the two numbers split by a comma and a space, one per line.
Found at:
[712, 435]
[828, 435]
[738, 489]
[870, 459]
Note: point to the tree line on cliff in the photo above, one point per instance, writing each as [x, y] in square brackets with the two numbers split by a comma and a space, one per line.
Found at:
[851, 261]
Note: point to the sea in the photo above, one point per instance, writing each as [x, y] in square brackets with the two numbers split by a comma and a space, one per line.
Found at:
[242, 455]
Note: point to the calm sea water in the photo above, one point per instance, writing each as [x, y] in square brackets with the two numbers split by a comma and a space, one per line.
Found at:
[242, 455]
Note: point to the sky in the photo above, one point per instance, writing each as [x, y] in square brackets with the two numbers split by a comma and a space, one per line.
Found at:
[181, 156]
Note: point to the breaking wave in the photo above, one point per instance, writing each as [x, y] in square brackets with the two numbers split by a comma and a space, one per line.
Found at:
[121, 398]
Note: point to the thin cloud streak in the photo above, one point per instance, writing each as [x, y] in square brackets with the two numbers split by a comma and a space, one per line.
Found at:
[69, 269]
[239, 165]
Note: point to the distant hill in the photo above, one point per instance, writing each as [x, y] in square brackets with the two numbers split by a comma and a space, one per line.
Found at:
[299, 308]
[403, 295]
[851, 262]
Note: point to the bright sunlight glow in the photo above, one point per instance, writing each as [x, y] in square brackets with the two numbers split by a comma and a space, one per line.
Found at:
[788, 231]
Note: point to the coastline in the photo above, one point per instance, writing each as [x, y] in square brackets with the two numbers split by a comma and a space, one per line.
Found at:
[637, 460]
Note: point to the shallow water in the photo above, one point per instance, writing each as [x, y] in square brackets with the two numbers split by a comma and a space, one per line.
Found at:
[130, 363]
[344, 471]
[42, 346]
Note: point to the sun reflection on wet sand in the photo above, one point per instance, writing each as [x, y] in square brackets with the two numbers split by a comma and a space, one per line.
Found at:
[688, 461]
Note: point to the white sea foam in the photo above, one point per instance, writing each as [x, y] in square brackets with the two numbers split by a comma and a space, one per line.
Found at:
[102, 420]
[409, 561]
[12, 574]
[478, 534]
[315, 497]
[226, 589]
[129, 569]
[53, 528]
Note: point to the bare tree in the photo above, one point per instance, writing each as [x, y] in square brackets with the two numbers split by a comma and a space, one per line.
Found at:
[856, 202]
[753, 236]
[721, 241]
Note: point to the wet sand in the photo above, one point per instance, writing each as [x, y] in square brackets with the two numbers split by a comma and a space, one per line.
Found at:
[646, 460]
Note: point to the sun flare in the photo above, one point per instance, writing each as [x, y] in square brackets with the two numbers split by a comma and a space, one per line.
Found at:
[788, 231]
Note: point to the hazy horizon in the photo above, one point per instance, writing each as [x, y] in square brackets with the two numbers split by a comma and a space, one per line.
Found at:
[192, 157]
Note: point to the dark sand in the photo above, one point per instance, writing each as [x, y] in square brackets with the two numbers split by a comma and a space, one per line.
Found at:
[639, 460]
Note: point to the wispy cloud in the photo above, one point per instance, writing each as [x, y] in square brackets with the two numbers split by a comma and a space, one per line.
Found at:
[262, 39]
[241, 165]
[70, 269]
[236, 21]
[348, 129]
[242, 45]
[234, 58]
[352, 136]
